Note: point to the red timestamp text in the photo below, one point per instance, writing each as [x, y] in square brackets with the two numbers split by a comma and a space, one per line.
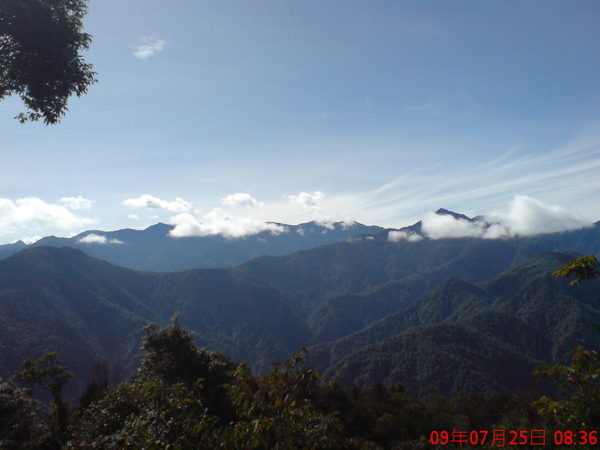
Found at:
[575, 437]
[501, 438]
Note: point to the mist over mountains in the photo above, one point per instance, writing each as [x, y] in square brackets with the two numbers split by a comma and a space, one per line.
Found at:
[182, 246]
[155, 249]
[440, 315]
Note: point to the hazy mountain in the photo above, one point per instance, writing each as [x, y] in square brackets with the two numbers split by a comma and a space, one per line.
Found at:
[154, 250]
[579, 240]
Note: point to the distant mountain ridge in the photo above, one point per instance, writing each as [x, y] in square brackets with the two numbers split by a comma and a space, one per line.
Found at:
[447, 316]
[153, 249]
[369, 309]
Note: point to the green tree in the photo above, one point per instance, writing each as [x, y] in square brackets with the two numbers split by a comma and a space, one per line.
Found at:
[48, 374]
[147, 414]
[585, 268]
[21, 425]
[96, 387]
[276, 411]
[178, 399]
[580, 381]
[40, 55]
[173, 357]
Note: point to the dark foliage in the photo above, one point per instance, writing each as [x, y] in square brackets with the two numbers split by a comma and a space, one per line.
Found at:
[21, 424]
[585, 268]
[173, 358]
[40, 55]
[171, 404]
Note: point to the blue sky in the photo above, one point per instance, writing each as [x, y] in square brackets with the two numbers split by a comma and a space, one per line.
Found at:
[217, 114]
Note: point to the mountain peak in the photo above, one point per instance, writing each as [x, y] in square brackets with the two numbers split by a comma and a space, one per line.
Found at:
[445, 212]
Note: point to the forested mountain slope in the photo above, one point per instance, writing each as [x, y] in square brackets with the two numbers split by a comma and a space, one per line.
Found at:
[371, 310]
[522, 318]
[59, 299]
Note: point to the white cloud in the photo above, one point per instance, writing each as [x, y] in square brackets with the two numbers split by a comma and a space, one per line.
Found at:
[566, 175]
[242, 199]
[33, 213]
[313, 205]
[438, 226]
[150, 202]
[149, 47]
[220, 223]
[31, 239]
[77, 203]
[525, 216]
[93, 238]
[397, 236]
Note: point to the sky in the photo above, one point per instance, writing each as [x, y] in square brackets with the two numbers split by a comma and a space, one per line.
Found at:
[222, 116]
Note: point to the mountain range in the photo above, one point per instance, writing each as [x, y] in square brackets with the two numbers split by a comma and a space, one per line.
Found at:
[441, 316]
[154, 249]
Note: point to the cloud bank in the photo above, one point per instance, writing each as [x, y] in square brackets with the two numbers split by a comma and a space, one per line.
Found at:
[525, 216]
[150, 202]
[217, 222]
[34, 213]
[149, 47]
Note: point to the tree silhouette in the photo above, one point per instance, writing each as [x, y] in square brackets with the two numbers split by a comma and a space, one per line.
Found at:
[40, 55]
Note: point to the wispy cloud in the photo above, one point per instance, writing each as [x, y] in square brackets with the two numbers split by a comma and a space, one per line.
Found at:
[217, 222]
[242, 199]
[555, 177]
[313, 204]
[150, 202]
[397, 236]
[149, 47]
[77, 203]
[31, 239]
